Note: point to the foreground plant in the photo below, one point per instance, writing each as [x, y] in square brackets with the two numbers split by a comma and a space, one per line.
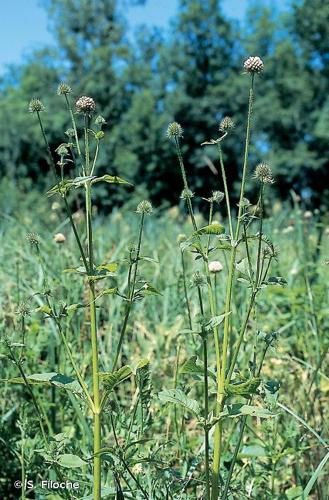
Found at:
[250, 257]
[82, 155]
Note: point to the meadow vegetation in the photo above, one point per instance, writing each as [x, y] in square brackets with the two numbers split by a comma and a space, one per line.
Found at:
[162, 353]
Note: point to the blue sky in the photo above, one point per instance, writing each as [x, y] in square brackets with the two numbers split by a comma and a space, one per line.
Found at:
[24, 23]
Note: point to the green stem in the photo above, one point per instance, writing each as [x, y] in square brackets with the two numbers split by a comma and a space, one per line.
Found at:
[187, 303]
[222, 375]
[227, 198]
[131, 292]
[94, 341]
[206, 401]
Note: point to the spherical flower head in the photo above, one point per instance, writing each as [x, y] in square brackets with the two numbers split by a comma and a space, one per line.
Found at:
[217, 196]
[59, 238]
[23, 309]
[215, 266]
[263, 173]
[308, 214]
[63, 89]
[144, 207]
[198, 279]
[186, 193]
[85, 105]
[36, 106]
[226, 124]
[253, 65]
[180, 238]
[174, 131]
[33, 239]
[62, 150]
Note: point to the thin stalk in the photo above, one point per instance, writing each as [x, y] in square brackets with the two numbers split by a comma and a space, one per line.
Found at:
[227, 198]
[131, 292]
[243, 424]
[222, 375]
[206, 400]
[212, 301]
[74, 125]
[124, 463]
[93, 332]
[187, 303]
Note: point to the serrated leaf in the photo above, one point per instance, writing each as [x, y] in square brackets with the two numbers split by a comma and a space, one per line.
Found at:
[214, 228]
[111, 380]
[70, 461]
[178, 397]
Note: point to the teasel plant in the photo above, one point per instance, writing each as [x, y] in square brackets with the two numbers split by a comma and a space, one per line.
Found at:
[81, 152]
[252, 270]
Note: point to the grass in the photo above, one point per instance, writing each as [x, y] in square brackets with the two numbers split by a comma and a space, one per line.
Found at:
[156, 354]
[276, 455]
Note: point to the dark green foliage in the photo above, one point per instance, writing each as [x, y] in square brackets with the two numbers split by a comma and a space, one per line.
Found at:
[142, 83]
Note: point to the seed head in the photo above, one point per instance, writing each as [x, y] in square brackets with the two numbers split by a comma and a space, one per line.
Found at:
[253, 65]
[174, 130]
[85, 105]
[217, 196]
[186, 193]
[59, 238]
[215, 266]
[263, 173]
[23, 309]
[198, 279]
[63, 88]
[62, 150]
[308, 214]
[144, 207]
[33, 239]
[36, 106]
[226, 124]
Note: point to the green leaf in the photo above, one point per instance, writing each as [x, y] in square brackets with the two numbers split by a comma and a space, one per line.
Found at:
[245, 389]
[215, 321]
[178, 397]
[111, 380]
[315, 476]
[214, 228]
[111, 267]
[70, 461]
[149, 289]
[44, 309]
[192, 367]
[253, 451]
[51, 378]
[276, 280]
[294, 492]
[111, 179]
[237, 410]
